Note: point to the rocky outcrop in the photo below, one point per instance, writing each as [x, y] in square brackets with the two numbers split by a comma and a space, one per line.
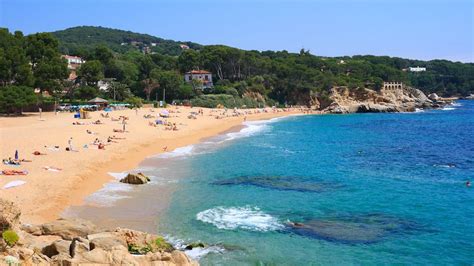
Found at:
[79, 242]
[9, 215]
[135, 179]
[405, 99]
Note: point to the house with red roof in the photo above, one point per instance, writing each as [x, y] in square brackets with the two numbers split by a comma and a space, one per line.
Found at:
[202, 75]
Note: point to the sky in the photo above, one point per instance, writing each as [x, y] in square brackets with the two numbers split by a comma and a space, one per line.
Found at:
[417, 29]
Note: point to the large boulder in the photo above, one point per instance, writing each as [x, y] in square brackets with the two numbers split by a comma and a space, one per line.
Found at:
[56, 248]
[135, 179]
[69, 229]
[79, 245]
[9, 215]
[107, 243]
[433, 96]
[97, 256]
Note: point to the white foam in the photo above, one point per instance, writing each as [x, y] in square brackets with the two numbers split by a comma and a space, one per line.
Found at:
[109, 194]
[178, 152]
[118, 176]
[231, 218]
[448, 108]
[195, 253]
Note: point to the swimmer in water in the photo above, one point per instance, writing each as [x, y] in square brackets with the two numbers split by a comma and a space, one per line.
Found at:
[468, 183]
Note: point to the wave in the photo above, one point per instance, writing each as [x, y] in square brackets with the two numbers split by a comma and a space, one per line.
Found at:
[178, 152]
[195, 253]
[253, 127]
[118, 176]
[232, 218]
[448, 108]
[109, 194]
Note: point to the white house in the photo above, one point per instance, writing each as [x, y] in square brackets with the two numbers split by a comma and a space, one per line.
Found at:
[204, 76]
[417, 69]
[103, 85]
[73, 63]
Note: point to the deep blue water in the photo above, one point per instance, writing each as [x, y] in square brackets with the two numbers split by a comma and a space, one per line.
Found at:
[368, 189]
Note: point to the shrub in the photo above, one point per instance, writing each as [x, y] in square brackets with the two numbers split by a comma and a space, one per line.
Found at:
[161, 244]
[10, 237]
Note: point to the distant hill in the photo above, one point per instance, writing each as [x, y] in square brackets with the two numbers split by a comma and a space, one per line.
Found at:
[77, 39]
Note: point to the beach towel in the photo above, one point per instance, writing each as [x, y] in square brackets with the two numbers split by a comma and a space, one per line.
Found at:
[14, 183]
[52, 169]
[14, 172]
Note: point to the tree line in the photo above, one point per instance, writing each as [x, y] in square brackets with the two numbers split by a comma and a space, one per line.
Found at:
[252, 78]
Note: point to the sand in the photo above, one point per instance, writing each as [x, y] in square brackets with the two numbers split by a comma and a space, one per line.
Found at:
[47, 193]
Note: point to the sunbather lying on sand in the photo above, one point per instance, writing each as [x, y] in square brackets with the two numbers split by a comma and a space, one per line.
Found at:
[38, 153]
[78, 123]
[52, 168]
[10, 161]
[118, 130]
[114, 137]
[14, 172]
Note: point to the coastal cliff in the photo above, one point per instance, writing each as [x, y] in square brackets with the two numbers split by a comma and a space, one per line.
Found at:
[404, 99]
[79, 242]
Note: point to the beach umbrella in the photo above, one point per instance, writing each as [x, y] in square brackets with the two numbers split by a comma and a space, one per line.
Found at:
[16, 154]
[165, 113]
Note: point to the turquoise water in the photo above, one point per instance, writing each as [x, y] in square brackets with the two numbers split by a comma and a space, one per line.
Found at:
[367, 189]
[409, 167]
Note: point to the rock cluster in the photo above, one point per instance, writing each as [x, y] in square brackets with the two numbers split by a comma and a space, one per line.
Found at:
[79, 242]
[406, 99]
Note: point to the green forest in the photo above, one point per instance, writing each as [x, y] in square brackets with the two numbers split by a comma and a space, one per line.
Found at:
[142, 66]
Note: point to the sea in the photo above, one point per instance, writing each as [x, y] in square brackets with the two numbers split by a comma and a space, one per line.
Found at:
[355, 189]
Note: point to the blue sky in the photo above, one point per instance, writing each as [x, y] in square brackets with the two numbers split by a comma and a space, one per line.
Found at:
[418, 29]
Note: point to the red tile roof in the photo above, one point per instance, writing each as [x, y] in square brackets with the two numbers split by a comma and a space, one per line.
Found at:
[198, 72]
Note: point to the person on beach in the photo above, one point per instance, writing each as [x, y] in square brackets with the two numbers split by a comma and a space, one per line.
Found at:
[69, 142]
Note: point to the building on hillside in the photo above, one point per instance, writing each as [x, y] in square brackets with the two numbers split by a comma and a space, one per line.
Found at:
[73, 63]
[184, 46]
[417, 69]
[103, 85]
[393, 85]
[204, 76]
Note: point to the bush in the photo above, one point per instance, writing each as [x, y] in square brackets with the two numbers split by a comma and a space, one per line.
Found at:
[10, 237]
[161, 244]
[228, 101]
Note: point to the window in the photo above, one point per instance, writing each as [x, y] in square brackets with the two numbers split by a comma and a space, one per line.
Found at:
[206, 77]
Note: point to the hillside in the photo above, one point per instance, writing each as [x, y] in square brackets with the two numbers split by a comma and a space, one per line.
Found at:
[73, 40]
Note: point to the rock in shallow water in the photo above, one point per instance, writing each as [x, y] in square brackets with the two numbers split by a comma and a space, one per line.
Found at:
[359, 229]
[279, 183]
[135, 179]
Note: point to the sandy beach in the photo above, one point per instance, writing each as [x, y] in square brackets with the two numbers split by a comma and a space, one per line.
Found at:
[47, 193]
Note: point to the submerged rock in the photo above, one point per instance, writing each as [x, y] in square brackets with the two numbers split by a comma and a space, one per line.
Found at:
[360, 229]
[280, 183]
[135, 179]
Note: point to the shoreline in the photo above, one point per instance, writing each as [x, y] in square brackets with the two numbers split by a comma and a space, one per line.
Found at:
[94, 176]
[94, 211]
